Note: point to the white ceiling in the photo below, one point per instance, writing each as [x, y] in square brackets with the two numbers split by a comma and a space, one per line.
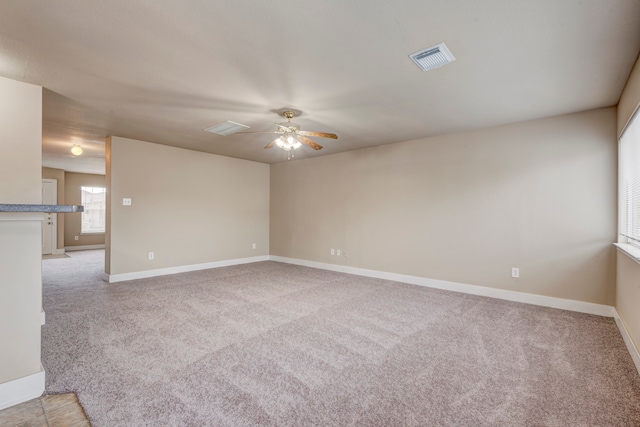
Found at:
[163, 70]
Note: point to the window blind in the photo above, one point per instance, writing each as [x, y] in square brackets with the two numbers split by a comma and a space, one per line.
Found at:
[629, 165]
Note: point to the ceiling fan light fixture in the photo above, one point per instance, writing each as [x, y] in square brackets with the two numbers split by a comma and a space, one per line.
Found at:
[288, 142]
[291, 137]
[226, 128]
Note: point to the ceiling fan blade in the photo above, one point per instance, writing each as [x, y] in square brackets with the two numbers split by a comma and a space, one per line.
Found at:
[308, 142]
[284, 128]
[271, 144]
[318, 134]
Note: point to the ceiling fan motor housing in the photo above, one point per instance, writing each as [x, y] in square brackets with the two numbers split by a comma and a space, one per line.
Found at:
[293, 127]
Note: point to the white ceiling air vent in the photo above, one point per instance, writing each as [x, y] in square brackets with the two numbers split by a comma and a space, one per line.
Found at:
[432, 57]
[226, 128]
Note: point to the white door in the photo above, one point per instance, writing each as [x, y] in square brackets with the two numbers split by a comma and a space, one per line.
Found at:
[49, 224]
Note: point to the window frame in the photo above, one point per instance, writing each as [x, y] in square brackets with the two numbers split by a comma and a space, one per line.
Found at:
[85, 212]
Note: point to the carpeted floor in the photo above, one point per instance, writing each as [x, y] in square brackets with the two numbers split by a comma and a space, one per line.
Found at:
[270, 344]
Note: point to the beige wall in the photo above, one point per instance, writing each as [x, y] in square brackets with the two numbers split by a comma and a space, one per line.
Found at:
[57, 174]
[628, 295]
[187, 207]
[20, 234]
[19, 126]
[73, 196]
[466, 207]
[630, 98]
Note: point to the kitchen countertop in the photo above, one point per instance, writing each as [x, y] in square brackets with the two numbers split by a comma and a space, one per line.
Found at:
[41, 208]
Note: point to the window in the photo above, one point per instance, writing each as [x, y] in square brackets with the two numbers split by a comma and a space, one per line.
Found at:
[94, 201]
[630, 182]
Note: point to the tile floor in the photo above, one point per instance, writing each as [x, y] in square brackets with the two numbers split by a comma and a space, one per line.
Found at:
[54, 410]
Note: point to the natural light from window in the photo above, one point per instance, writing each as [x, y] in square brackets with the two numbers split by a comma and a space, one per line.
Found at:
[95, 202]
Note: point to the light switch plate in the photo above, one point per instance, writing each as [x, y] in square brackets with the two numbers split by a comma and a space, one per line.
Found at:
[126, 202]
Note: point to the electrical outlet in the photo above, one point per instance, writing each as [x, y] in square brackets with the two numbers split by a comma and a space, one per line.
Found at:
[151, 255]
[333, 251]
[253, 246]
[76, 237]
[515, 272]
[338, 252]
[126, 202]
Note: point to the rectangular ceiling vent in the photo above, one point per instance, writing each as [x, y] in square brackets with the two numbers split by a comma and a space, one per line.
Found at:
[226, 128]
[432, 57]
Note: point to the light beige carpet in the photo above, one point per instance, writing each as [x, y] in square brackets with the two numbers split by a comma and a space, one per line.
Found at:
[270, 344]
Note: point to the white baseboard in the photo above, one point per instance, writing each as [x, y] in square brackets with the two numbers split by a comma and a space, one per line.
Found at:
[83, 248]
[22, 389]
[541, 300]
[112, 278]
[57, 252]
[633, 351]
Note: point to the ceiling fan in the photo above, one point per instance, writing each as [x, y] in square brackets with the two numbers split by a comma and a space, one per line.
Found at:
[291, 137]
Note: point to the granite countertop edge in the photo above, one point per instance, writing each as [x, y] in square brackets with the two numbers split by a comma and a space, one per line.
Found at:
[41, 208]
